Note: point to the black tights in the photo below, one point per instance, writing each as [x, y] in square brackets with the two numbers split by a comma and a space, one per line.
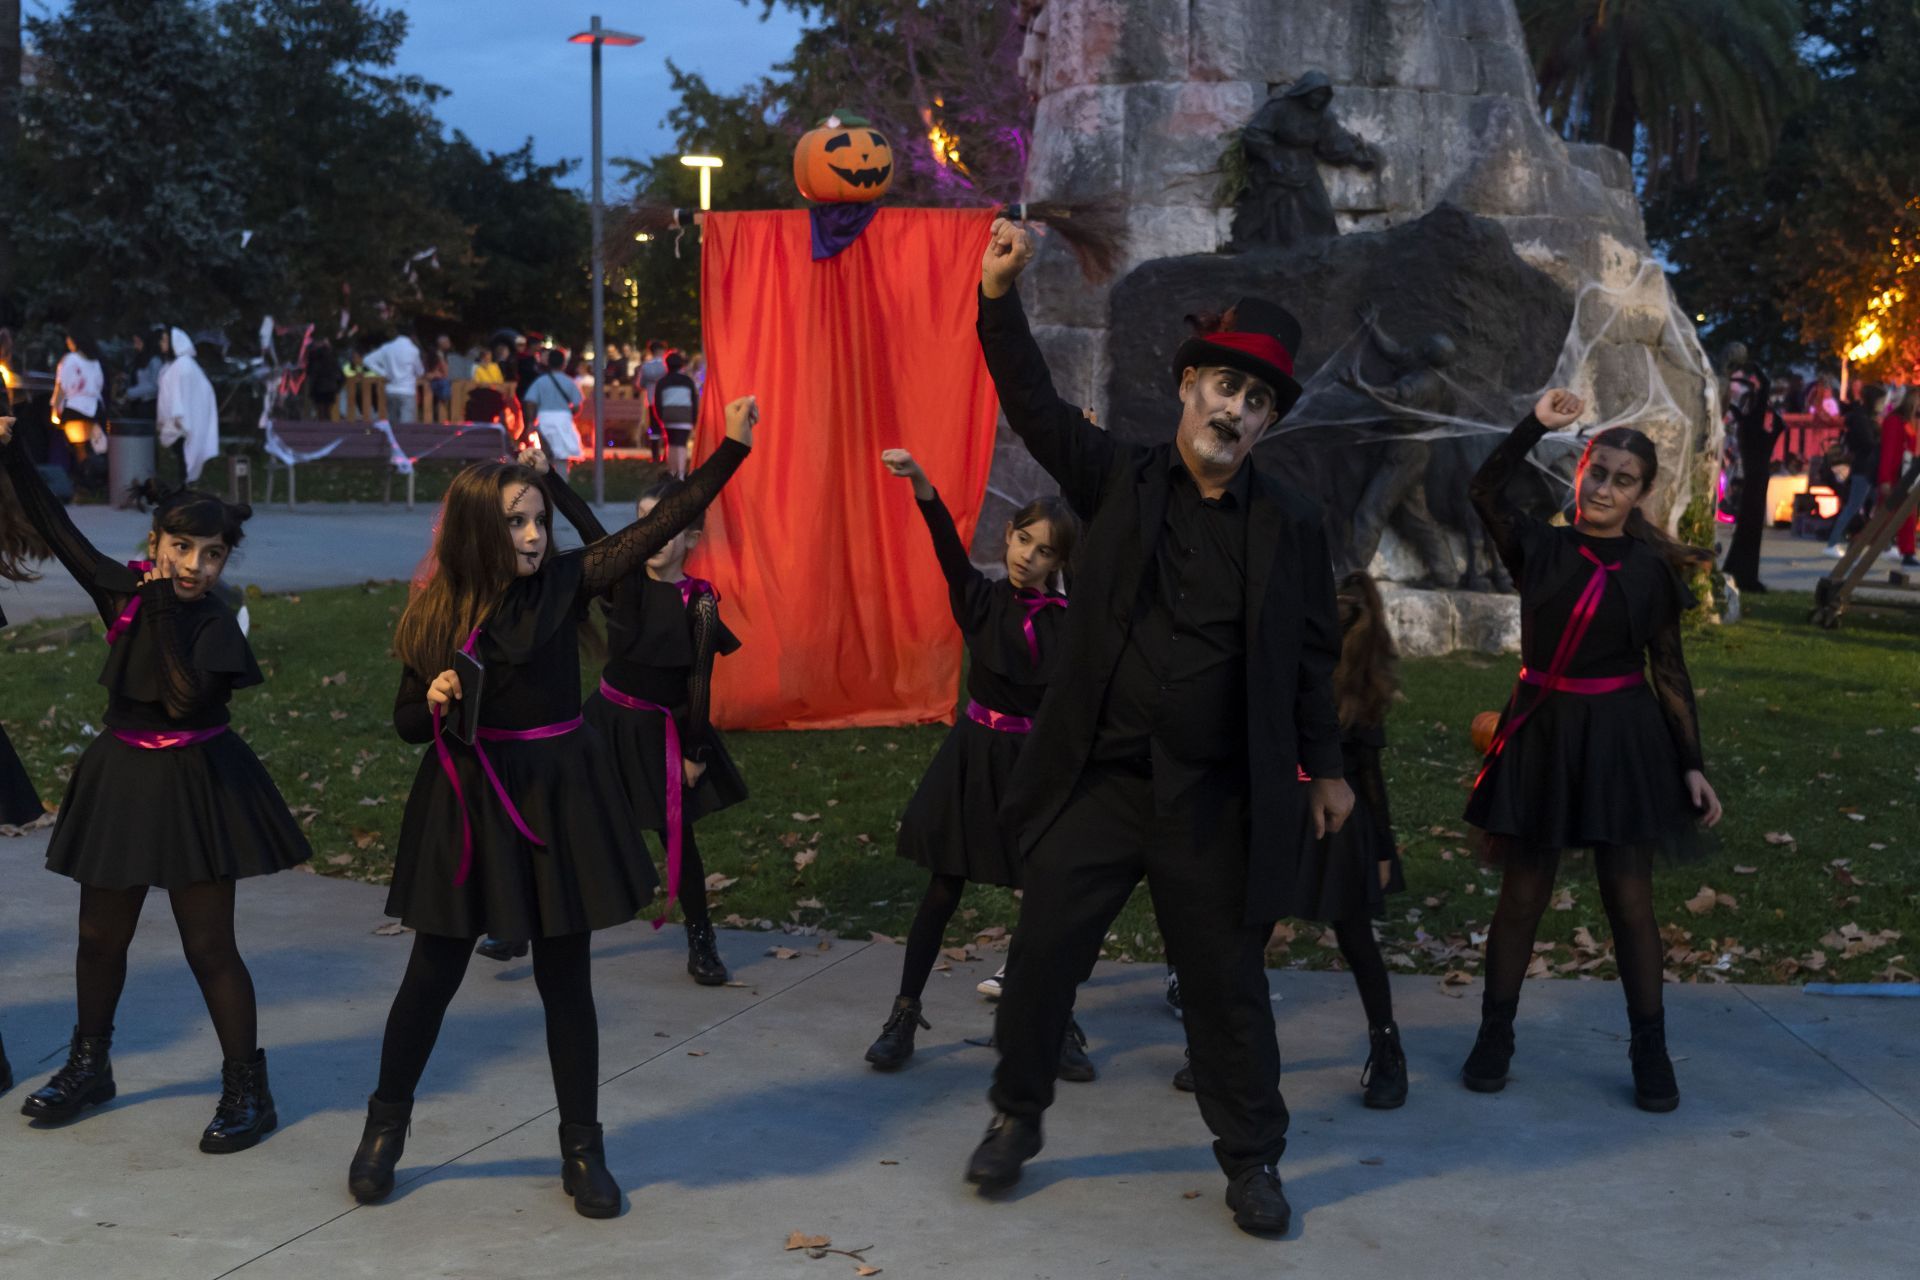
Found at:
[204, 916]
[942, 899]
[1361, 951]
[693, 875]
[1626, 891]
[564, 975]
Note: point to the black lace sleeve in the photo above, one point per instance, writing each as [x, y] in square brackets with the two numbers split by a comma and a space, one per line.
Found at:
[573, 508]
[968, 590]
[1510, 528]
[610, 559]
[1075, 452]
[696, 733]
[412, 717]
[186, 690]
[107, 582]
[1673, 687]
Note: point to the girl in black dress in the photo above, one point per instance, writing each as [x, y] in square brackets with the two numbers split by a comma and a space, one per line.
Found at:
[663, 633]
[1344, 878]
[524, 833]
[168, 797]
[1599, 746]
[1014, 630]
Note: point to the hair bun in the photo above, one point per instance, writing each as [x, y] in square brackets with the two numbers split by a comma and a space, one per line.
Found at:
[240, 511]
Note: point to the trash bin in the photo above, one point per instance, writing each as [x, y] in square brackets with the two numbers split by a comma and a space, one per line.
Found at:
[130, 443]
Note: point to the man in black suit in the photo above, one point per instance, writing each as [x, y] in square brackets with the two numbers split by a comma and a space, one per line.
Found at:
[1202, 641]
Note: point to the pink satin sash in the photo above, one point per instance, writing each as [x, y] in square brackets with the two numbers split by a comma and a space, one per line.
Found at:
[676, 781]
[489, 734]
[999, 720]
[1034, 602]
[1555, 680]
[167, 739]
[691, 587]
[125, 620]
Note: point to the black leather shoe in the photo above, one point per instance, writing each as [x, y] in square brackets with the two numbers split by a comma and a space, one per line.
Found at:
[1010, 1143]
[1183, 1078]
[245, 1114]
[6, 1069]
[1259, 1205]
[1384, 1078]
[495, 949]
[382, 1143]
[895, 1045]
[85, 1081]
[583, 1171]
[1075, 1065]
[704, 965]
[1654, 1088]
[1486, 1067]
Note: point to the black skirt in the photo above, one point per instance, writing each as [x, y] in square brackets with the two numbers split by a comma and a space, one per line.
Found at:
[593, 871]
[19, 802]
[952, 825]
[1337, 877]
[637, 741]
[172, 817]
[1584, 771]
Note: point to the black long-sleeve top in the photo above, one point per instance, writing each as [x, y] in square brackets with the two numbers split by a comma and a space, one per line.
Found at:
[1001, 672]
[179, 661]
[661, 644]
[1637, 625]
[528, 644]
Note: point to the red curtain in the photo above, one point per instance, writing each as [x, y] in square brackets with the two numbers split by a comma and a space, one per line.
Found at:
[824, 565]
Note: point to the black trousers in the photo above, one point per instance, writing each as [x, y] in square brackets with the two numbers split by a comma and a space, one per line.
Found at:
[1194, 858]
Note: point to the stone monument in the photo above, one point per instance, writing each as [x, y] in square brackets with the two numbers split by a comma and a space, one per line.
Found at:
[1473, 259]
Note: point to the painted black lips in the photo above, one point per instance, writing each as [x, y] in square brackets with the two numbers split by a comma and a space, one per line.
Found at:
[863, 177]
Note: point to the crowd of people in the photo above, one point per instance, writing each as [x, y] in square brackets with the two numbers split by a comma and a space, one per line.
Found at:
[1202, 707]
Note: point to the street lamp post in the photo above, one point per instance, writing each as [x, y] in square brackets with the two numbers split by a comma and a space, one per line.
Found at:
[596, 36]
[706, 165]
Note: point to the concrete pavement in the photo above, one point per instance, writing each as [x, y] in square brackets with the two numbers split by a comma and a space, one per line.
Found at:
[738, 1115]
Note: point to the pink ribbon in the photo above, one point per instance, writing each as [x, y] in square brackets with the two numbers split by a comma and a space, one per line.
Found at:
[676, 780]
[1555, 680]
[167, 739]
[998, 719]
[1035, 602]
[125, 620]
[488, 734]
[691, 587]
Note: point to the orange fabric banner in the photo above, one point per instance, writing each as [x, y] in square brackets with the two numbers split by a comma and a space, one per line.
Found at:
[822, 560]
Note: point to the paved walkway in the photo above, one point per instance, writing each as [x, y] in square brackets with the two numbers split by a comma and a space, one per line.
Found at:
[738, 1115]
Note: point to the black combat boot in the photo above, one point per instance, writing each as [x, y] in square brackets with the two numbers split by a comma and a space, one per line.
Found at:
[1075, 1065]
[895, 1045]
[704, 965]
[85, 1081]
[1654, 1088]
[1385, 1076]
[583, 1171]
[1486, 1067]
[245, 1114]
[496, 949]
[1010, 1143]
[382, 1143]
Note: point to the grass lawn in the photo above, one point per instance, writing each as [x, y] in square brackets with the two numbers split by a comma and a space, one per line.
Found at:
[1813, 740]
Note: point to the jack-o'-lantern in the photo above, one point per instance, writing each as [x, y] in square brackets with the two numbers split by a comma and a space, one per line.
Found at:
[843, 160]
[1485, 725]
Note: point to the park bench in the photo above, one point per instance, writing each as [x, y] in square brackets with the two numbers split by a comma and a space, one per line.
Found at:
[365, 442]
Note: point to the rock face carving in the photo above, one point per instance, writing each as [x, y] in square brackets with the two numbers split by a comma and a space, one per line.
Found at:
[1448, 156]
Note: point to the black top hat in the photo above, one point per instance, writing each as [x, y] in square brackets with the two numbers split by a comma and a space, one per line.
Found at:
[1255, 336]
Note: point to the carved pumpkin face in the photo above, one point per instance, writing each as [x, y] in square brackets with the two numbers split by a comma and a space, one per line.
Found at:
[844, 160]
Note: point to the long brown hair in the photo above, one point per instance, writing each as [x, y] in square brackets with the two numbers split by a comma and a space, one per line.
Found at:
[474, 565]
[1064, 524]
[1681, 556]
[1367, 677]
[20, 543]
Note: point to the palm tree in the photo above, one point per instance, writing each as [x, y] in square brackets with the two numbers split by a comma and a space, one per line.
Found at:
[1691, 73]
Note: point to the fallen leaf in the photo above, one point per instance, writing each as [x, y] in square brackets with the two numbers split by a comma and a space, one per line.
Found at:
[697, 1053]
[889, 1162]
[801, 1240]
[782, 953]
[363, 838]
[1702, 902]
[805, 817]
[1189, 1195]
[339, 859]
[1373, 1160]
[1778, 837]
[866, 1269]
[717, 881]
[804, 859]
[879, 937]
[811, 904]
[391, 929]
[1746, 871]
[338, 677]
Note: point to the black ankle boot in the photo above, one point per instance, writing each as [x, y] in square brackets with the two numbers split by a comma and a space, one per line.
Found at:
[85, 1081]
[895, 1045]
[1075, 1065]
[6, 1069]
[1010, 1143]
[1486, 1067]
[1654, 1088]
[1183, 1078]
[583, 1171]
[382, 1142]
[1385, 1076]
[703, 957]
[495, 949]
[245, 1114]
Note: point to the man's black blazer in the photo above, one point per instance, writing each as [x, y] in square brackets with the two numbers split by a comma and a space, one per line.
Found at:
[1293, 632]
